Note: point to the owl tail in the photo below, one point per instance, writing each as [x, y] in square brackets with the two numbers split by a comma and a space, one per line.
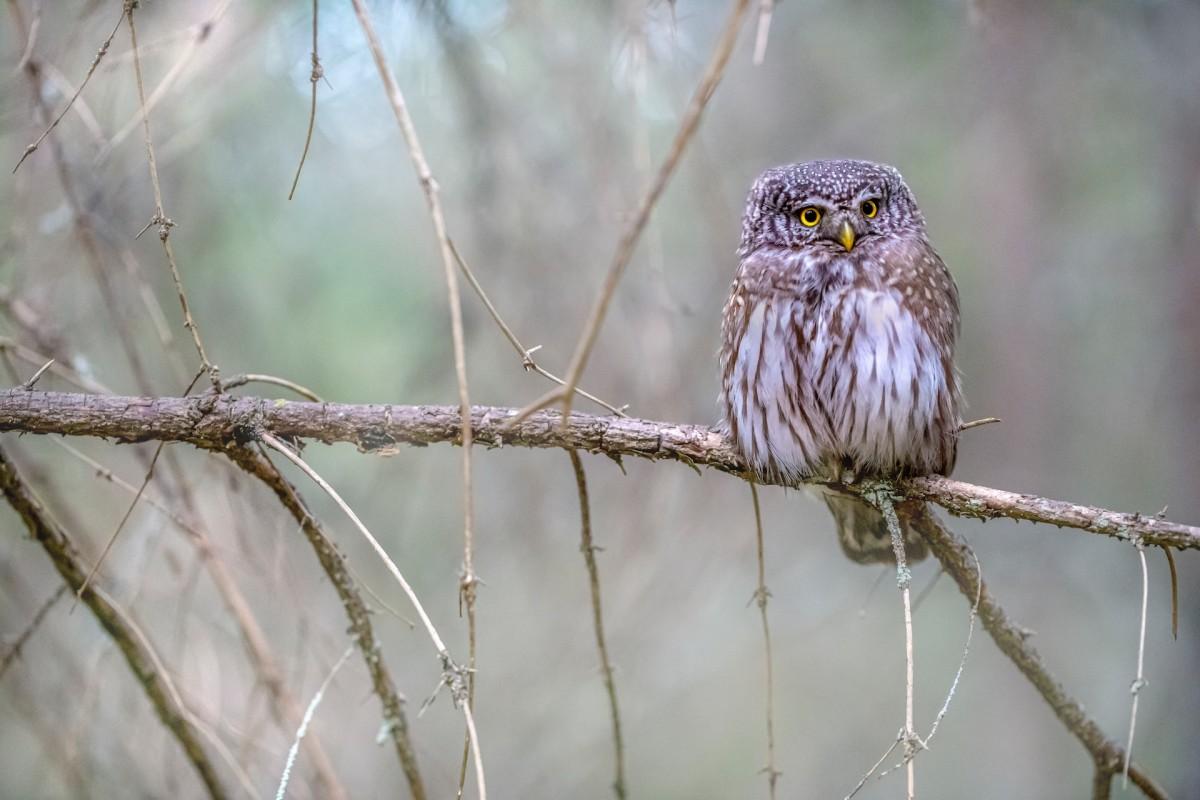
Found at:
[863, 533]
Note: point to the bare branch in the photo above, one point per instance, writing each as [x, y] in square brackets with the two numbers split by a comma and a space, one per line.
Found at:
[760, 598]
[589, 557]
[395, 721]
[314, 78]
[26, 62]
[452, 673]
[160, 215]
[62, 554]
[1012, 640]
[881, 497]
[468, 582]
[215, 422]
[1139, 682]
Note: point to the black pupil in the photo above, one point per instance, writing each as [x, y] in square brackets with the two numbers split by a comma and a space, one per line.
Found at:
[810, 216]
[868, 207]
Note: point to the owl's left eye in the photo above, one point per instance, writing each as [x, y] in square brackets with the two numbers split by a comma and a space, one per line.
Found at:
[810, 216]
[869, 208]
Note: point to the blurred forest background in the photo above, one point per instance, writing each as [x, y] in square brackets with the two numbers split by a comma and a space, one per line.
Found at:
[1055, 149]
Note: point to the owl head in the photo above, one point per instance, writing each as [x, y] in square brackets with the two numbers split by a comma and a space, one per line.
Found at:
[836, 205]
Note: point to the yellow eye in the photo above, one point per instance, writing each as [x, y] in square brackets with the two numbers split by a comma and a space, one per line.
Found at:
[869, 208]
[810, 216]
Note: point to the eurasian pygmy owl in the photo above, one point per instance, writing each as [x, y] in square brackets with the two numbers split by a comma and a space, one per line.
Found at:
[838, 338]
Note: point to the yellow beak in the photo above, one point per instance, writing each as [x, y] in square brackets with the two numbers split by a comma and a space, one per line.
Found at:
[846, 235]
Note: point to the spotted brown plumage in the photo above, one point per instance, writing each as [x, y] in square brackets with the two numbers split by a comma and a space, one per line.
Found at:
[838, 338]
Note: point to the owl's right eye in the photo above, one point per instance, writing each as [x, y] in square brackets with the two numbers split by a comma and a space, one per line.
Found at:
[810, 216]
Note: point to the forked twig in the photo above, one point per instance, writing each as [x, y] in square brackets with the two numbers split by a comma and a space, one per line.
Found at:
[589, 557]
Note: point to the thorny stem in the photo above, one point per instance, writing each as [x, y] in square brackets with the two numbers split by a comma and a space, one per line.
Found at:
[469, 581]
[452, 673]
[760, 596]
[317, 73]
[525, 353]
[160, 215]
[29, 149]
[1013, 641]
[589, 557]
[882, 498]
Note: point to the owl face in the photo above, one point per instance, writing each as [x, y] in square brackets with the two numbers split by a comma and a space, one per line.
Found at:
[836, 205]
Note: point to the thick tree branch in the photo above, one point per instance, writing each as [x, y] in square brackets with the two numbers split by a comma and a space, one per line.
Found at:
[216, 422]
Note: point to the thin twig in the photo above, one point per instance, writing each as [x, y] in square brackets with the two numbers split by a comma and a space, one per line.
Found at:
[468, 582]
[882, 499]
[160, 215]
[129, 511]
[453, 675]
[14, 650]
[629, 238]
[760, 596]
[318, 72]
[766, 8]
[525, 353]
[120, 525]
[1013, 641]
[26, 60]
[33, 379]
[62, 371]
[281, 792]
[200, 33]
[867, 775]
[589, 557]
[1139, 682]
[256, 377]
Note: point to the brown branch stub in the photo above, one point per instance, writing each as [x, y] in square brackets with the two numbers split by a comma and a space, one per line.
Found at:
[215, 422]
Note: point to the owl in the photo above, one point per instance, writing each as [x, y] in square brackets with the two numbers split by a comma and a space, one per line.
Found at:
[837, 342]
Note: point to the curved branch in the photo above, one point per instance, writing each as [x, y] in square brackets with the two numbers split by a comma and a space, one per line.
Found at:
[217, 422]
